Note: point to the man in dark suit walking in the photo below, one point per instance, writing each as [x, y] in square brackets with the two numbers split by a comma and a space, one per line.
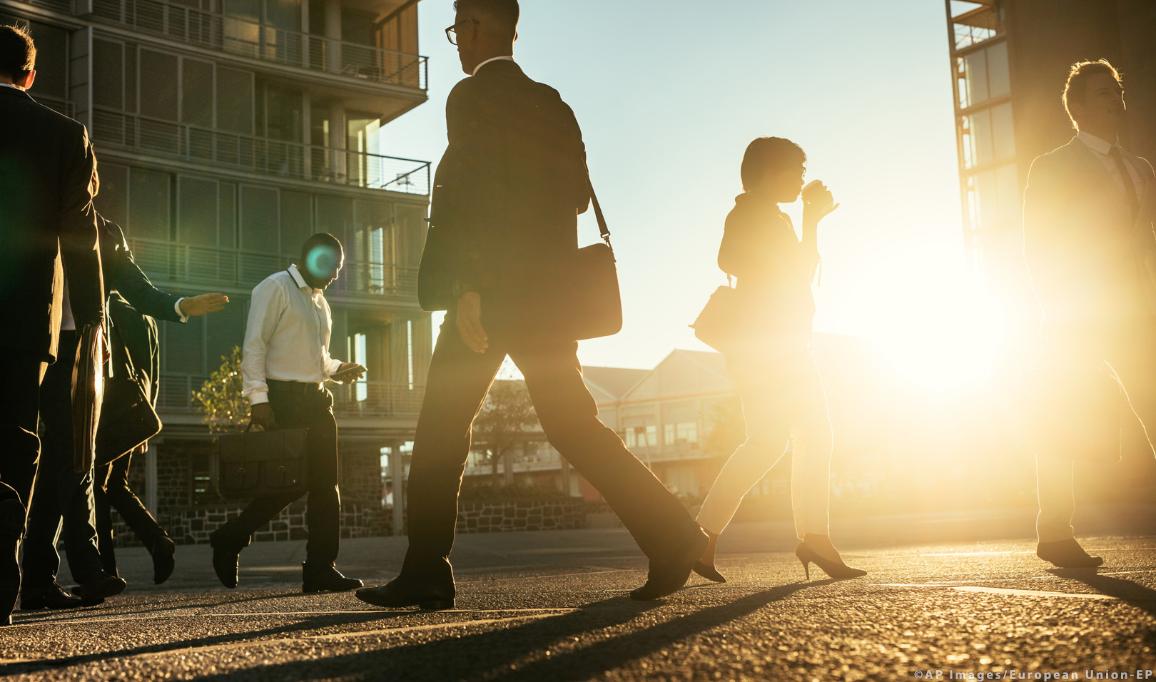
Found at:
[508, 191]
[48, 225]
[1089, 211]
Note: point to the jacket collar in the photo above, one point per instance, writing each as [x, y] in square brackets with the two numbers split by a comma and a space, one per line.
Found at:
[499, 58]
[7, 91]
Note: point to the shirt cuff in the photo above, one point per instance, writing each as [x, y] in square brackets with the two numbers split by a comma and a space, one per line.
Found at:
[258, 397]
[332, 366]
[177, 307]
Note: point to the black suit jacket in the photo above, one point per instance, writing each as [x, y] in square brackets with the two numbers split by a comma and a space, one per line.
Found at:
[47, 184]
[508, 191]
[123, 274]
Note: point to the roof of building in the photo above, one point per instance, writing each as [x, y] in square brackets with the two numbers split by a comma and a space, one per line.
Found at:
[614, 381]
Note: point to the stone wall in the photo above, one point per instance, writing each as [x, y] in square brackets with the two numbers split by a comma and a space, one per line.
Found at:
[498, 517]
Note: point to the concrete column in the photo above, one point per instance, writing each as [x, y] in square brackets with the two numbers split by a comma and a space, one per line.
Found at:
[333, 59]
[397, 478]
[150, 491]
[337, 135]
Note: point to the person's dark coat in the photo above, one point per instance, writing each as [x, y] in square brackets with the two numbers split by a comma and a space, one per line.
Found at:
[47, 184]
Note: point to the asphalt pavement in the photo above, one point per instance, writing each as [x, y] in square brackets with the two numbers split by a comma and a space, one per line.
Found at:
[552, 605]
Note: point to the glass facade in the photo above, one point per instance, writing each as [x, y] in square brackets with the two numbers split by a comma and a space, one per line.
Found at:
[985, 124]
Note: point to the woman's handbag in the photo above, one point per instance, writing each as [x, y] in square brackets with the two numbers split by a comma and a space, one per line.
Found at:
[259, 463]
[719, 325]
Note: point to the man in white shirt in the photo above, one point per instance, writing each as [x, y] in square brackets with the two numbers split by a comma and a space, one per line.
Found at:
[285, 366]
[1088, 241]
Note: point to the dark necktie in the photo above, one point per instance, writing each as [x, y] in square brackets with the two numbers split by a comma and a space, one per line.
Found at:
[1126, 177]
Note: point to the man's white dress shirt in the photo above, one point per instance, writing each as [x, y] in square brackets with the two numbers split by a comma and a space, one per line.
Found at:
[287, 335]
[502, 58]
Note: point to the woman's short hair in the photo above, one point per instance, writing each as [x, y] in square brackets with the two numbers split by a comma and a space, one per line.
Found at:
[767, 155]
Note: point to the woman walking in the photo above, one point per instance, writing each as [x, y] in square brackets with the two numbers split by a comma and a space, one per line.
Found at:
[782, 398]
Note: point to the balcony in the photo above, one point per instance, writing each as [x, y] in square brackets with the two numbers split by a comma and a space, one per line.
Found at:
[219, 149]
[369, 399]
[263, 42]
[181, 265]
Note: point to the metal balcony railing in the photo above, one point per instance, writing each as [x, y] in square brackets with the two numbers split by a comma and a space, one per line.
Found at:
[177, 264]
[277, 158]
[256, 40]
[375, 399]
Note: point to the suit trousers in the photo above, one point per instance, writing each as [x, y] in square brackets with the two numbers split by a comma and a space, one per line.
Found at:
[112, 491]
[298, 405]
[455, 390]
[1089, 383]
[62, 497]
[783, 403]
[19, 419]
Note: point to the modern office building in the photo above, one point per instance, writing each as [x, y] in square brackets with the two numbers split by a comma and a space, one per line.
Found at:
[227, 131]
[1009, 61]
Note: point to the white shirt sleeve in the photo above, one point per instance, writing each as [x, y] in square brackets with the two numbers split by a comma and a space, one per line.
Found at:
[180, 313]
[265, 309]
[331, 364]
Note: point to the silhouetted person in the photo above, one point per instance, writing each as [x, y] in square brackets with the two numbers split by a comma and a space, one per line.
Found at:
[132, 306]
[1088, 219]
[65, 499]
[782, 398]
[47, 183]
[285, 365]
[508, 192]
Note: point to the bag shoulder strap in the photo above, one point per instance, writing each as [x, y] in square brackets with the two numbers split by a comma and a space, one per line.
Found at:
[602, 228]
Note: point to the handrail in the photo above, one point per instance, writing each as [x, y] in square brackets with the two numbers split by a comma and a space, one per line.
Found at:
[278, 158]
[254, 39]
[364, 399]
[181, 264]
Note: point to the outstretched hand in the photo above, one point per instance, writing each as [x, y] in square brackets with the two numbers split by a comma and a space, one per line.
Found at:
[818, 202]
[469, 321]
[195, 306]
[347, 372]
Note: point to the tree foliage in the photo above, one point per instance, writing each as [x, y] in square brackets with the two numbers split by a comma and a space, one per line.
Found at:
[221, 400]
[506, 416]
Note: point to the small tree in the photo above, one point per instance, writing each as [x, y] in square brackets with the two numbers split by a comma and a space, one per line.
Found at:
[221, 400]
[506, 415]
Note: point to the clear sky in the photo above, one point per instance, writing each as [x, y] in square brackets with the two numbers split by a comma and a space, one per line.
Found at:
[670, 92]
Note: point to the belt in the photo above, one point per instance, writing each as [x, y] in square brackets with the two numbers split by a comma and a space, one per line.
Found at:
[295, 386]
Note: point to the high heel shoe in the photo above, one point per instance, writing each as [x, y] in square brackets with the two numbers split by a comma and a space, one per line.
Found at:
[709, 572]
[836, 569]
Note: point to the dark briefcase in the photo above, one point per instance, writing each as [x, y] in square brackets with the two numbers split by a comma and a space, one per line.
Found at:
[259, 463]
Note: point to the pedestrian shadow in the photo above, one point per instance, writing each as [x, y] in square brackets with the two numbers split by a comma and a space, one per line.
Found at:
[307, 623]
[489, 654]
[102, 610]
[1133, 593]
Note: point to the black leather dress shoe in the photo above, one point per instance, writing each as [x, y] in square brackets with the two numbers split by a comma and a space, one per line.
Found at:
[1067, 554]
[162, 551]
[397, 594]
[669, 574]
[226, 561]
[53, 596]
[11, 530]
[100, 588]
[325, 578]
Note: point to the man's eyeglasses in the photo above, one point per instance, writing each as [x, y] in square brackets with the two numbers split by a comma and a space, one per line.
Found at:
[452, 31]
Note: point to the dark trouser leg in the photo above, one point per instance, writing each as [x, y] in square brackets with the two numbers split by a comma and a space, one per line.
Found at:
[121, 497]
[106, 539]
[569, 417]
[455, 388]
[323, 513]
[19, 406]
[62, 496]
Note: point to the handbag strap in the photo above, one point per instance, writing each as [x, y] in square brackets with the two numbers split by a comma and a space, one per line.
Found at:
[602, 228]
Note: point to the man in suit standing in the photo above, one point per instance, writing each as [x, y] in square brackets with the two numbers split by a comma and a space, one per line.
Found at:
[1088, 239]
[507, 194]
[47, 181]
